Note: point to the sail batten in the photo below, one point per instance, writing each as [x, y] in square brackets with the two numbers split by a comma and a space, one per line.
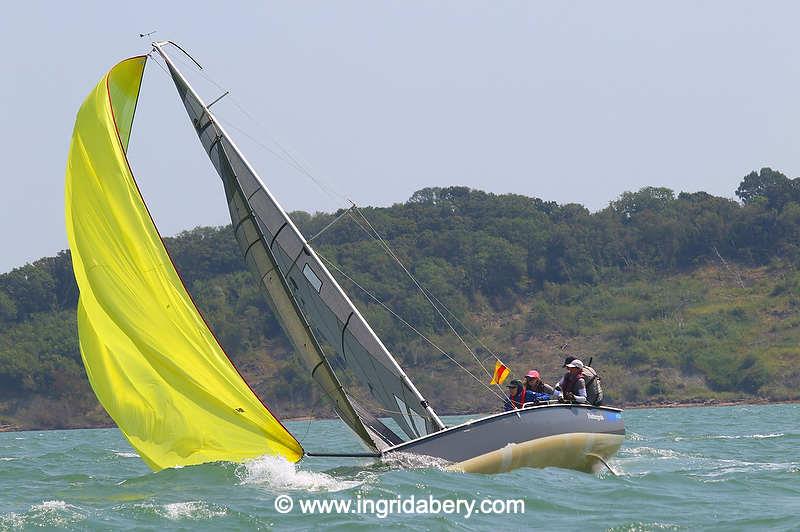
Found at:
[308, 297]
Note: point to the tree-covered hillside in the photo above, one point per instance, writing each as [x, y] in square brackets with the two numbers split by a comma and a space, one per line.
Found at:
[685, 297]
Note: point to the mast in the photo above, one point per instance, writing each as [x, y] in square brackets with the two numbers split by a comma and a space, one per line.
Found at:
[329, 311]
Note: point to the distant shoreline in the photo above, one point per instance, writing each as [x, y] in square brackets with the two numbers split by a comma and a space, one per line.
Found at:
[708, 403]
[632, 406]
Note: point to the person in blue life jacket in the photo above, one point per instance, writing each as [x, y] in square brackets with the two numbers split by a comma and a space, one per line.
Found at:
[517, 396]
[534, 383]
[572, 386]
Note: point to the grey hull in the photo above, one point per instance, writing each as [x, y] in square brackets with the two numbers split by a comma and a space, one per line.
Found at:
[561, 435]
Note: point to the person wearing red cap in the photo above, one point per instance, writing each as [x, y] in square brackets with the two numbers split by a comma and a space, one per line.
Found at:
[534, 383]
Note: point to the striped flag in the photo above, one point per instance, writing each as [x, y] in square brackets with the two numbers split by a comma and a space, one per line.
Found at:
[500, 373]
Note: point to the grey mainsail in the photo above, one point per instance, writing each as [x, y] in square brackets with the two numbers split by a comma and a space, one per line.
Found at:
[311, 306]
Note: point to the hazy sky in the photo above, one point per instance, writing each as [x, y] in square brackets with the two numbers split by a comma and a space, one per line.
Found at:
[567, 101]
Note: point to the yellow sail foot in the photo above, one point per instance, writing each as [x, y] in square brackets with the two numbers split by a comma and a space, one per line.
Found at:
[152, 361]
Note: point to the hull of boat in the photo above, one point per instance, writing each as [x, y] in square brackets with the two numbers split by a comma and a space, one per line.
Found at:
[568, 436]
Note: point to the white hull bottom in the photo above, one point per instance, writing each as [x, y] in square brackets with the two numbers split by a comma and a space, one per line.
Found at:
[581, 451]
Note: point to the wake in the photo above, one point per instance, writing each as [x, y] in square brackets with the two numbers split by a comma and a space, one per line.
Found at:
[278, 473]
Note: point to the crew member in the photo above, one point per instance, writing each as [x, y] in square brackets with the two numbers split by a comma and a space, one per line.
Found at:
[534, 383]
[572, 386]
[517, 396]
[594, 391]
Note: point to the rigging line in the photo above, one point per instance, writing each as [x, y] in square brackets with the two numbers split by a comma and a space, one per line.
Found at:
[155, 60]
[389, 252]
[310, 418]
[261, 145]
[313, 411]
[286, 156]
[407, 324]
[467, 329]
[425, 294]
[308, 427]
[421, 289]
[402, 413]
[285, 151]
[329, 225]
[292, 161]
[287, 159]
[417, 284]
[388, 411]
[492, 354]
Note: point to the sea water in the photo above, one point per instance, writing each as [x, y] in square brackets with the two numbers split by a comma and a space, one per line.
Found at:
[717, 468]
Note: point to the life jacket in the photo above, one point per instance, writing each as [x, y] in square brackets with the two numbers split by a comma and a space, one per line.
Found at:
[571, 383]
[594, 392]
[518, 399]
[537, 394]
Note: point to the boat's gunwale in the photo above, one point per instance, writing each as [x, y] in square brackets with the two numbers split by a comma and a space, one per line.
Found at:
[473, 422]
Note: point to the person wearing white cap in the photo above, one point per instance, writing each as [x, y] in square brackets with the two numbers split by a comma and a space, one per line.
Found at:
[572, 386]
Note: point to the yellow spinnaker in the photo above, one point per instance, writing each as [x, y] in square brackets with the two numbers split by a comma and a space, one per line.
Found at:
[151, 359]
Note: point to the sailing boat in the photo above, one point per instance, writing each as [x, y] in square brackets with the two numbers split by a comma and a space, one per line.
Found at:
[165, 380]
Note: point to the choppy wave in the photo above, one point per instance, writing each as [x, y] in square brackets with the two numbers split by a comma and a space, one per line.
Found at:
[55, 513]
[679, 468]
[278, 473]
[651, 452]
[125, 454]
[730, 437]
[176, 511]
[725, 468]
[644, 527]
[193, 510]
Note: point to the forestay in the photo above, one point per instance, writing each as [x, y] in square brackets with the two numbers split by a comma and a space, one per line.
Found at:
[310, 304]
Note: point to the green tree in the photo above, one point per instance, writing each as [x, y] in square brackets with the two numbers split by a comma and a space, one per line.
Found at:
[775, 187]
[8, 309]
